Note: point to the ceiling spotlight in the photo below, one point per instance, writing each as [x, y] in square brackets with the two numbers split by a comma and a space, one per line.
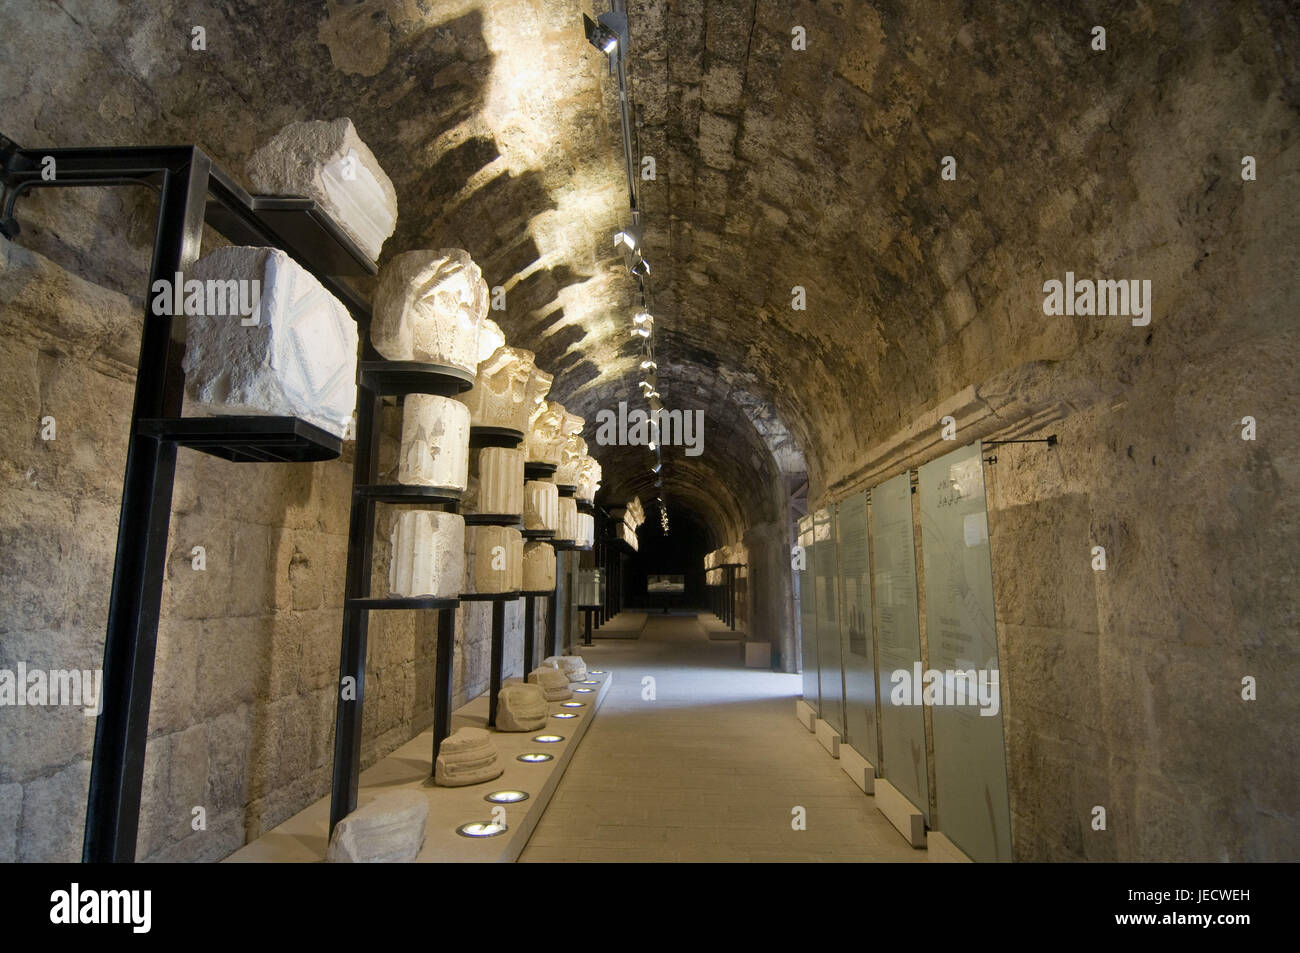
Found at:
[640, 332]
[628, 239]
[644, 318]
[649, 365]
[642, 268]
[652, 444]
[656, 468]
[599, 34]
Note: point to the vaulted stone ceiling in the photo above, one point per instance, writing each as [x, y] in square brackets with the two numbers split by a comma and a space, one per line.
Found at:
[776, 167]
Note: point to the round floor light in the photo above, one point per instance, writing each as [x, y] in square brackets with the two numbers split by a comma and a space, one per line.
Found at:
[548, 739]
[506, 797]
[564, 714]
[572, 705]
[595, 671]
[534, 757]
[585, 691]
[481, 829]
[589, 681]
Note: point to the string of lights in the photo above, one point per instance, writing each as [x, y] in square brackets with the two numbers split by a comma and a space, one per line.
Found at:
[609, 34]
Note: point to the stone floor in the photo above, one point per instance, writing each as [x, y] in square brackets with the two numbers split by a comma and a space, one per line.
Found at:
[711, 769]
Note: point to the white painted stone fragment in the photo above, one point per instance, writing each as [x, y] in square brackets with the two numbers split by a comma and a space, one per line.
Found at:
[490, 337]
[296, 356]
[435, 442]
[494, 560]
[588, 479]
[328, 162]
[430, 306]
[586, 535]
[428, 554]
[386, 830]
[467, 757]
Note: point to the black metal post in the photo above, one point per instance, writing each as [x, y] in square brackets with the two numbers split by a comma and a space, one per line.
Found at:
[442, 679]
[553, 611]
[130, 641]
[530, 625]
[497, 658]
[356, 621]
[587, 611]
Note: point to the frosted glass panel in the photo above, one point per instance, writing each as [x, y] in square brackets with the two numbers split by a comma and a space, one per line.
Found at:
[856, 642]
[970, 772]
[808, 617]
[828, 621]
[898, 636]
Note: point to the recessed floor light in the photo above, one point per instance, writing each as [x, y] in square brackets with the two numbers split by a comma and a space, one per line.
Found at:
[585, 691]
[506, 797]
[548, 739]
[596, 671]
[589, 681]
[533, 757]
[573, 705]
[481, 829]
[564, 714]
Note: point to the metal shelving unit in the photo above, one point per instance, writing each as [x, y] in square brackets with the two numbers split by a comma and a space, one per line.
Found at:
[191, 190]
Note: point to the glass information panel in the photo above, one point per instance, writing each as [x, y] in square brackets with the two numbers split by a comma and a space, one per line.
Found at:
[828, 621]
[808, 616]
[898, 636]
[856, 643]
[970, 771]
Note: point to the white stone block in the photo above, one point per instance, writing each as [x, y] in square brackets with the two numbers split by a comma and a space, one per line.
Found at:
[568, 531]
[588, 479]
[541, 505]
[296, 356]
[546, 434]
[828, 736]
[900, 812]
[328, 162]
[386, 830]
[539, 566]
[467, 757]
[499, 473]
[429, 306]
[499, 397]
[806, 714]
[435, 442]
[862, 771]
[521, 707]
[494, 559]
[428, 554]
[572, 666]
[554, 683]
[586, 530]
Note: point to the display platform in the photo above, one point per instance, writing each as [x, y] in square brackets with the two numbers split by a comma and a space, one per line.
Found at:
[624, 625]
[305, 836]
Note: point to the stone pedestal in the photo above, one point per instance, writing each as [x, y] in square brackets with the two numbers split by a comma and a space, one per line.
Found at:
[541, 505]
[467, 757]
[429, 306]
[292, 352]
[521, 708]
[428, 554]
[435, 442]
[328, 162]
[539, 566]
